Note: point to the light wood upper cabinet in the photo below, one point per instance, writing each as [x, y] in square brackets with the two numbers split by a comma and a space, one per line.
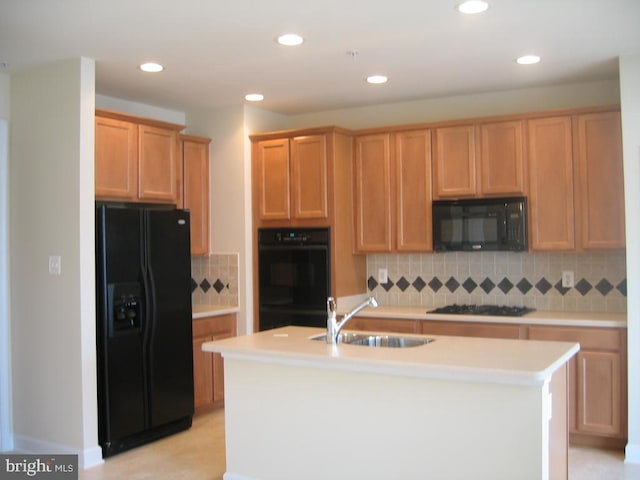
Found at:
[157, 164]
[195, 168]
[599, 181]
[413, 205]
[309, 171]
[479, 160]
[136, 159]
[373, 191]
[551, 204]
[454, 162]
[502, 159]
[576, 199]
[116, 159]
[273, 179]
[291, 177]
[393, 192]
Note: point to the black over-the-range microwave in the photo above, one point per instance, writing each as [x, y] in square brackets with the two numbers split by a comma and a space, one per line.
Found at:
[485, 224]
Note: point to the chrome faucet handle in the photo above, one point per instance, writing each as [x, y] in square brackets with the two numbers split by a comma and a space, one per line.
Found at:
[331, 306]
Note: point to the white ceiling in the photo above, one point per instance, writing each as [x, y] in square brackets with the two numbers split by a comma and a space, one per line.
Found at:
[216, 51]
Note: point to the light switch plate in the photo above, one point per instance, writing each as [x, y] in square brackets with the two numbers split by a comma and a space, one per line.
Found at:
[383, 275]
[55, 265]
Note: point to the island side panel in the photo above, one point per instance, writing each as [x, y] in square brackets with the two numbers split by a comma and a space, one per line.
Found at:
[559, 425]
[284, 422]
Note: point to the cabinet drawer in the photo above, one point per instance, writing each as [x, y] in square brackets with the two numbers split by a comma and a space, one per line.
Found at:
[383, 325]
[471, 329]
[214, 325]
[589, 338]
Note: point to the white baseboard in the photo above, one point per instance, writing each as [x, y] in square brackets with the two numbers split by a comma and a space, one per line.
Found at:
[235, 476]
[632, 453]
[87, 458]
[90, 457]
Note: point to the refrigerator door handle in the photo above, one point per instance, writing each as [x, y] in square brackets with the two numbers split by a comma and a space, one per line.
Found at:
[148, 319]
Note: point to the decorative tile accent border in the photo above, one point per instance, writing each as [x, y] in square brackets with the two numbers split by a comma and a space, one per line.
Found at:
[529, 279]
[214, 280]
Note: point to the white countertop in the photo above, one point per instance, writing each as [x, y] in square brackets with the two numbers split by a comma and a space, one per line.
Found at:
[202, 311]
[485, 360]
[576, 319]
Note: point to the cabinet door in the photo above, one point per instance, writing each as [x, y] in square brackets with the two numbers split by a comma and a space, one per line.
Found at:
[502, 167]
[455, 162]
[195, 158]
[413, 206]
[208, 368]
[309, 175]
[600, 182]
[551, 214]
[599, 393]
[373, 193]
[157, 164]
[202, 373]
[218, 370]
[273, 179]
[116, 159]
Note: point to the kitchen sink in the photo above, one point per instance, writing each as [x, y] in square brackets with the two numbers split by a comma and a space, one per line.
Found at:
[374, 340]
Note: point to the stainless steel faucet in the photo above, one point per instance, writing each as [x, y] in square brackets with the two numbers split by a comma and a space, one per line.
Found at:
[333, 326]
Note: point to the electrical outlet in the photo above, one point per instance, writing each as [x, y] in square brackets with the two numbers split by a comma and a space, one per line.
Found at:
[55, 265]
[567, 279]
[383, 276]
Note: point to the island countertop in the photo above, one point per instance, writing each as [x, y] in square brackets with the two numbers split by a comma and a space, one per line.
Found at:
[484, 360]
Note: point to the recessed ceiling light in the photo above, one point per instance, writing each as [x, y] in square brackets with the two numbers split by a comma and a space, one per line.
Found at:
[151, 67]
[377, 79]
[528, 59]
[290, 39]
[473, 6]
[254, 97]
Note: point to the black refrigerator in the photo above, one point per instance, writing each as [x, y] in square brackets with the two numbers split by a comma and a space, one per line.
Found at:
[143, 325]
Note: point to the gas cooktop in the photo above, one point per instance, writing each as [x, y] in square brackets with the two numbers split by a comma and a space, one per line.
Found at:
[497, 310]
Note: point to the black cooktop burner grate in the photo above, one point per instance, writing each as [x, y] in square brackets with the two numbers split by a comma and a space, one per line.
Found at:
[497, 310]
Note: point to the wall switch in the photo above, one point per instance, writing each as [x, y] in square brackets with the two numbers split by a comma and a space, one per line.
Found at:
[567, 279]
[383, 276]
[55, 265]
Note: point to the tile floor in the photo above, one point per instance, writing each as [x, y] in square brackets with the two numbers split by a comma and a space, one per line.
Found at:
[198, 454]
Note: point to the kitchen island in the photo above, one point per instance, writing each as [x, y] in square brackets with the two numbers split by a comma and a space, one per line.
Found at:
[455, 408]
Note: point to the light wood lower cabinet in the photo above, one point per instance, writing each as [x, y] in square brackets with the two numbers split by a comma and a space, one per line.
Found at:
[597, 386]
[597, 380]
[208, 372]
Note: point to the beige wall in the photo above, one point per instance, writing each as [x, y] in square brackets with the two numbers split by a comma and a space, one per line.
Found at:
[51, 213]
[466, 106]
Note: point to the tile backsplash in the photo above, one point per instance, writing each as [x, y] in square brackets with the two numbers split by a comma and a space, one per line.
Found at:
[502, 278]
[214, 279]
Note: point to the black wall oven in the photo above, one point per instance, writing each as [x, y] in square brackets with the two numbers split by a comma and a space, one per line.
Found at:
[293, 277]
